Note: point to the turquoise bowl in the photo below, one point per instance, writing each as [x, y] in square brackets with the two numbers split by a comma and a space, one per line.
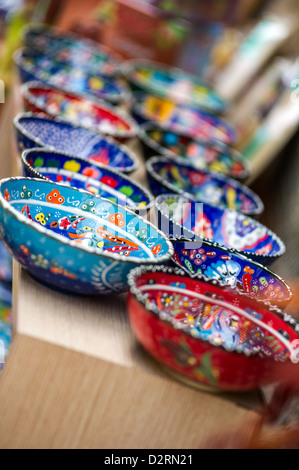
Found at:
[82, 174]
[73, 241]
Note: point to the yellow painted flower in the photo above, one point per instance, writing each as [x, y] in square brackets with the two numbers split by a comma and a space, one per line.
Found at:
[72, 165]
[96, 83]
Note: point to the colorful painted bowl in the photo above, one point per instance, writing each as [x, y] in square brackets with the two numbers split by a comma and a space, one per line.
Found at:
[82, 174]
[172, 83]
[74, 241]
[72, 49]
[35, 130]
[63, 75]
[166, 176]
[207, 333]
[177, 217]
[203, 155]
[93, 115]
[189, 120]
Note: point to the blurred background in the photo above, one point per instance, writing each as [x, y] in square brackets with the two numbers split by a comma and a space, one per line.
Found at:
[246, 49]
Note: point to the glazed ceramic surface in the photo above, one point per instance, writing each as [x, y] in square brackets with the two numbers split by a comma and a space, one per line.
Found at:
[69, 48]
[94, 115]
[178, 217]
[82, 174]
[74, 241]
[193, 122]
[172, 83]
[166, 176]
[46, 69]
[35, 130]
[209, 333]
[203, 155]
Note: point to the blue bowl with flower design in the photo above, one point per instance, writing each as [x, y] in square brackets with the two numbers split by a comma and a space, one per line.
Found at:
[179, 217]
[192, 121]
[178, 177]
[72, 49]
[64, 75]
[74, 241]
[82, 174]
[34, 130]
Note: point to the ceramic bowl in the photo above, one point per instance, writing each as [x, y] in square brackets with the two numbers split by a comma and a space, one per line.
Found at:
[64, 75]
[70, 48]
[82, 174]
[172, 83]
[36, 130]
[189, 120]
[157, 139]
[166, 176]
[94, 115]
[207, 333]
[177, 217]
[74, 241]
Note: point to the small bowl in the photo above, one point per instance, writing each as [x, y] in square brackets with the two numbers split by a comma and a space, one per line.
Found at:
[210, 334]
[36, 130]
[48, 70]
[74, 241]
[178, 217]
[203, 155]
[72, 49]
[189, 120]
[172, 83]
[82, 174]
[178, 177]
[91, 114]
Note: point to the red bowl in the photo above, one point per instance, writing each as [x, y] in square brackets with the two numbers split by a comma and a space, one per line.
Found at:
[208, 333]
[95, 115]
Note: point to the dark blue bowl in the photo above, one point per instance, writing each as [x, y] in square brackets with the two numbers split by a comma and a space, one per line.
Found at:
[181, 178]
[82, 174]
[178, 217]
[35, 130]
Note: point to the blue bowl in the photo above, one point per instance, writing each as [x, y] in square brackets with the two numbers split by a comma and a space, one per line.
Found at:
[158, 139]
[72, 49]
[35, 130]
[73, 241]
[192, 121]
[166, 176]
[180, 217]
[74, 79]
[82, 174]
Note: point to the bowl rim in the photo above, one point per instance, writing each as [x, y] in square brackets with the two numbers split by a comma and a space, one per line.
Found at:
[131, 65]
[216, 176]
[56, 120]
[122, 96]
[37, 150]
[133, 130]
[141, 299]
[216, 144]
[41, 28]
[246, 254]
[87, 249]
[138, 109]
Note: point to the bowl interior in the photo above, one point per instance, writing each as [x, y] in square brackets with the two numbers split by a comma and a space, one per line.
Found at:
[175, 84]
[65, 75]
[192, 121]
[83, 174]
[226, 227]
[82, 219]
[64, 137]
[98, 116]
[203, 155]
[201, 185]
[219, 316]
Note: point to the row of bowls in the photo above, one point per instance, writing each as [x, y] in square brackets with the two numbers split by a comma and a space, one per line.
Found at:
[79, 224]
